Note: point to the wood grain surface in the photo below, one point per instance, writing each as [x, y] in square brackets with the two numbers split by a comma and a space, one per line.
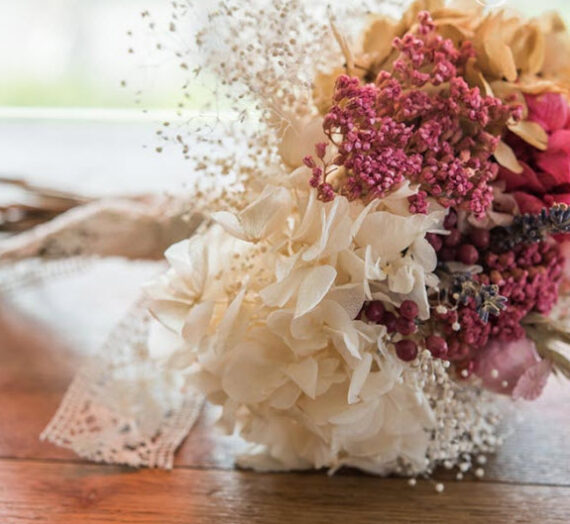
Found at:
[528, 481]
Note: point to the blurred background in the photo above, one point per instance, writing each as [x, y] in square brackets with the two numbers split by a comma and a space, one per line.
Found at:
[75, 53]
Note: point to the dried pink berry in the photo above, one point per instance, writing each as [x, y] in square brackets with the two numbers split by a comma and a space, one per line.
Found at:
[407, 350]
[409, 309]
[374, 311]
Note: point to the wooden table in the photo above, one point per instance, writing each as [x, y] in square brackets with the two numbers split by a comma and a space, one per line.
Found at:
[529, 481]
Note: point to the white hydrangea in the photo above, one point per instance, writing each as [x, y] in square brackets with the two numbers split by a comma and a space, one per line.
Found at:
[263, 307]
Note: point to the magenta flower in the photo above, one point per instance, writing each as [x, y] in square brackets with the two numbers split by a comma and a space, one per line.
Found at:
[545, 179]
[550, 110]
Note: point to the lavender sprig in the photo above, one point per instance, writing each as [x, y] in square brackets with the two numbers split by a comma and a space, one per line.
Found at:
[487, 299]
[530, 228]
[461, 287]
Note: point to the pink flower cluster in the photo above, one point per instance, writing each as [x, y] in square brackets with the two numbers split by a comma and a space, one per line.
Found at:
[545, 179]
[421, 122]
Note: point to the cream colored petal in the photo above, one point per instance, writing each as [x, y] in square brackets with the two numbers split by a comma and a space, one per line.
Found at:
[424, 253]
[350, 297]
[163, 342]
[353, 414]
[279, 293]
[359, 376]
[390, 234]
[342, 326]
[300, 139]
[196, 323]
[304, 374]
[260, 218]
[335, 230]
[170, 314]
[309, 228]
[226, 329]
[402, 280]
[315, 285]
[189, 260]
[357, 224]
[285, 396]
[230, 223]
[249, 375]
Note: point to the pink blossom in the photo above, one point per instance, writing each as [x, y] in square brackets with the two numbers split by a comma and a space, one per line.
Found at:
[531, 383]
[512, 368]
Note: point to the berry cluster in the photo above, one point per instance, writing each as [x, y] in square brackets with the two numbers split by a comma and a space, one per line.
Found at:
[404, 322]
[475, 308]
[527, 275]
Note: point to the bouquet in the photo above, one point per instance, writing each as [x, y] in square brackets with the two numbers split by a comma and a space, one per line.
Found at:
[361, 303]
[387, 261]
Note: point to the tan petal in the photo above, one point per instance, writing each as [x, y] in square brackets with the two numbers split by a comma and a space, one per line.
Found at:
[475, 77]
[504, 155]
[557, 54]
[494, 55]
[410, 17]
[378, 38]
[551, 22]
[323, 88]
[500, 57]
[530, 85]
[454, 33]
[531, 132]
[528, 48]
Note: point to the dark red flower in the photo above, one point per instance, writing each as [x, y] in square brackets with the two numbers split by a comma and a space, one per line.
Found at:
[545, 179]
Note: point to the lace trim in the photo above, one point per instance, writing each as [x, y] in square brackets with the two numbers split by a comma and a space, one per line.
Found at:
[125, 409]
[30, 272]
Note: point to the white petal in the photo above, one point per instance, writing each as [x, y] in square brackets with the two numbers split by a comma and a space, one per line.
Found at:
[285, 396]
[304, 374]
[279, 293]
[313, 288]
[351, 297]
[424, 254]
[230, 223]
[258, 219]
[359, 376]
[196, 323]
[250, 375]
[300, 139]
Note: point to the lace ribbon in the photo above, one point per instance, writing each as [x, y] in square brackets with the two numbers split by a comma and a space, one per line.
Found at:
[29, 272]
[123, 408]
